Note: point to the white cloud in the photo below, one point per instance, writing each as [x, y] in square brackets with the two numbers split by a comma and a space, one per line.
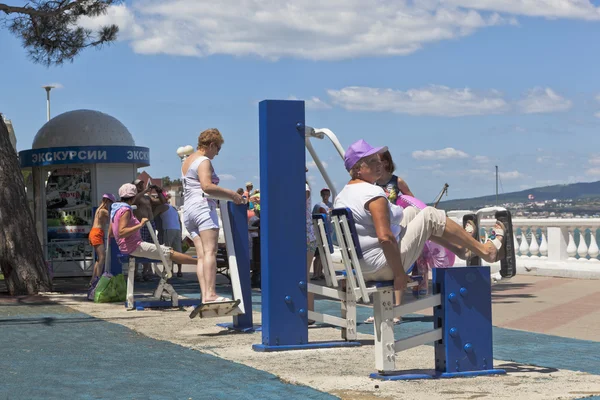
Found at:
[482, 159]
[429, 167]
[313, 165]
[542, 159]
[313, 103]
[307, 29]
[119, 15]
[543, 100]
[227, 177]
[477, 172]
[594, 160]
[314, 29]
[597, 114]
[432, 100]
[593, 172]
[511, 175]
[551, 9]
[443, 154]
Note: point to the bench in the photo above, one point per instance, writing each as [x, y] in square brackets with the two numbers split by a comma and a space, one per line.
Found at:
[461, 303]
[346, 285]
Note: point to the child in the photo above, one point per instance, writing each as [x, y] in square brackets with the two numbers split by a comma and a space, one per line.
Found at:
[96, 236]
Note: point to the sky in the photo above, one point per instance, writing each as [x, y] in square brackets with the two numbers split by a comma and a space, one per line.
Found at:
[452, 87]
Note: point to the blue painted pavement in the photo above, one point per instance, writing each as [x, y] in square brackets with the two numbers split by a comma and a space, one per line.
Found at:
[53, 352]
[552, 352]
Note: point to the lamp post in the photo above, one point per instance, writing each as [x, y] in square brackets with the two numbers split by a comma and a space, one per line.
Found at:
[48, 89]
[184, 152]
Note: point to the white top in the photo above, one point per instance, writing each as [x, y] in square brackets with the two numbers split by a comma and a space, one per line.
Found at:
[355, 197]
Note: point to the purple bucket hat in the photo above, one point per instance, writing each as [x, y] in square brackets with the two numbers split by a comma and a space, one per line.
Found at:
[109, 196]
[358, 150]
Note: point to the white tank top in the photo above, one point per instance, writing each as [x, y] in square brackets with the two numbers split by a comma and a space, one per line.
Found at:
[192, 189]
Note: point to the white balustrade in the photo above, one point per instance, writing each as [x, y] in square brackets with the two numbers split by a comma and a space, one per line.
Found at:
[534, 248]
[556, 238]
[571, 248]
[543, 244]
[582, 249]
[524, 247]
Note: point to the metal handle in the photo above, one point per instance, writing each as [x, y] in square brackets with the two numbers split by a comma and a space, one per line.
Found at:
[208, 196]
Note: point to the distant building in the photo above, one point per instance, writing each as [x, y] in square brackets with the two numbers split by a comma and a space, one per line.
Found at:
[148, 180]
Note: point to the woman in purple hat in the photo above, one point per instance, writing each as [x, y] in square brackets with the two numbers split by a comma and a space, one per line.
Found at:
[391, 243]
[96, 236]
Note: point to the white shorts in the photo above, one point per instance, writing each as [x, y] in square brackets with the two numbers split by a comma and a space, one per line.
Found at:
[199, 220]
[149, 250]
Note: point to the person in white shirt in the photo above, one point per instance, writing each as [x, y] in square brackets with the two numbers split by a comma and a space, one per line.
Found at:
[390, 240]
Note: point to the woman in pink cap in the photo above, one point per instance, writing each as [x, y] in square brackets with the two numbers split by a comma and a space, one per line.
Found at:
[390, 241]
[96, 236]
[125, 228]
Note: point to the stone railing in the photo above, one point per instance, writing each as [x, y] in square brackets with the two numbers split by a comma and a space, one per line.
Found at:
[552, 246]
[555, 239]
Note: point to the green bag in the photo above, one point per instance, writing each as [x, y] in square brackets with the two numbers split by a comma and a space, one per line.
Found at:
[110, 289]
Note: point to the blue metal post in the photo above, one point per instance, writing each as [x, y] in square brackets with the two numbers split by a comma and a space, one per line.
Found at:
[466, 319]
[283, 224]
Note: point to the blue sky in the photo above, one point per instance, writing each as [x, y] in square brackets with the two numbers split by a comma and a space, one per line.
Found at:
[451, 89]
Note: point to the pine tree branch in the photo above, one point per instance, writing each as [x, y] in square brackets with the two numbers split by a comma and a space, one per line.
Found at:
[34, 12]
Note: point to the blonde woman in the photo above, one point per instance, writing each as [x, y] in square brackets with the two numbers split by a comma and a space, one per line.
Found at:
[200, 214]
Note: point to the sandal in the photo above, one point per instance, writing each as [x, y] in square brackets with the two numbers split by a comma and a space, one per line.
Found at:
[471, 230]
[499, 244]
[219, 299]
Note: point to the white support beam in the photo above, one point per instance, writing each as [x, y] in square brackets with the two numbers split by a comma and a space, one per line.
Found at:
[409, 308]
[327, 292]
[418, 340]
[327, 319]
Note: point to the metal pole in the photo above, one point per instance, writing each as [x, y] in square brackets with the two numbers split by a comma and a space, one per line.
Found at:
[496, 185]
[48, 104]
[48, 89]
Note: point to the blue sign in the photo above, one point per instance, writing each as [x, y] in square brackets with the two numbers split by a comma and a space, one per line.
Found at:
[85, 155]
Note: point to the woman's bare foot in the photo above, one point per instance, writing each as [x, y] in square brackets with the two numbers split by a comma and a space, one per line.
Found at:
[495, 243]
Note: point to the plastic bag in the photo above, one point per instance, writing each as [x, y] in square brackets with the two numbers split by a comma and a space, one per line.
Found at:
[110, 289]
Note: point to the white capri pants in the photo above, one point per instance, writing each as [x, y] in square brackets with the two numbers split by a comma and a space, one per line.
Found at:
[417, 227]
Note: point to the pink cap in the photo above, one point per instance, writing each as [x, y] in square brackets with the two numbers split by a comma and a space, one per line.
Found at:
[127, 190]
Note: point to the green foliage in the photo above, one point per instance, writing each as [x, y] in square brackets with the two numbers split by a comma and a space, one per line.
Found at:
[50, 32]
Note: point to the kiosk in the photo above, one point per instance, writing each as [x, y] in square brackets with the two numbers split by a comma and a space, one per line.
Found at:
[75, 158]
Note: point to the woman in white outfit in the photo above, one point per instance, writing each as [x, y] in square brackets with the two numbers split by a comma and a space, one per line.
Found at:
[391, 238]
[200, 214]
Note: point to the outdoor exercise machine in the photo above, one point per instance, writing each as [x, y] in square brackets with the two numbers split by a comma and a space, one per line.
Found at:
[508, 265]
[282, 135]
[235, 228]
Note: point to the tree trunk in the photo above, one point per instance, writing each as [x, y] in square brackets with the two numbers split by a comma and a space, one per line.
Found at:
[21, 256]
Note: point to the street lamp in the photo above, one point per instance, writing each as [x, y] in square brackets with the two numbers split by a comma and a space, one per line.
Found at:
[184, 152]
[48, 89]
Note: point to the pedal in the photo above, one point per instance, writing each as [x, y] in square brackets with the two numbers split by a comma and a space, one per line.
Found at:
[475, 260]
[215, 309]
[508, 265]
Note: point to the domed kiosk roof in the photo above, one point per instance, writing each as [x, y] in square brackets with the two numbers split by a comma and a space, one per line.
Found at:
[82, 128]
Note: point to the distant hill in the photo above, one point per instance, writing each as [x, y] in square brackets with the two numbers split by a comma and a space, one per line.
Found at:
[573, 191]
